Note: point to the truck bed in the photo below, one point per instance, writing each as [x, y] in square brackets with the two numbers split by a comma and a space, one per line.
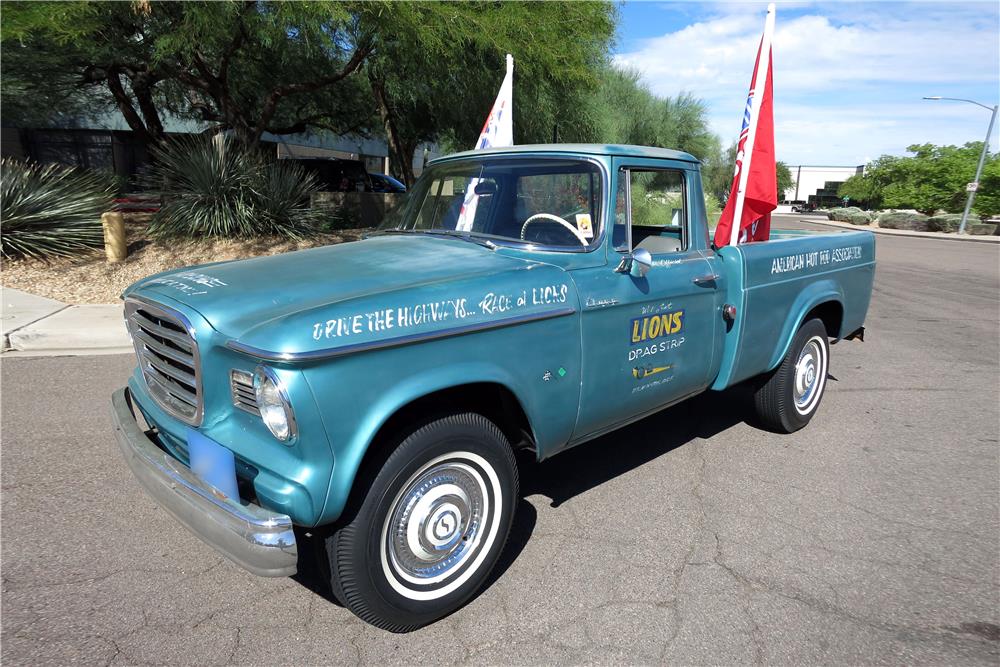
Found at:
[776, 284]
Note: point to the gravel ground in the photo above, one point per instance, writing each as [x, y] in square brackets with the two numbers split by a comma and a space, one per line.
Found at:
[91, 279]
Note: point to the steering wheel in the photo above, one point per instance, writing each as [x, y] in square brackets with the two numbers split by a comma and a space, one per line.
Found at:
[554, 218]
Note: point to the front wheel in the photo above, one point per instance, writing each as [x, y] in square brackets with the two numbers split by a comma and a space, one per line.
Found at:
[431, 526]
[790, 396]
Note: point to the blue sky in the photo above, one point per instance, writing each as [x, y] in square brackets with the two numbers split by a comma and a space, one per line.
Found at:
[848, 76]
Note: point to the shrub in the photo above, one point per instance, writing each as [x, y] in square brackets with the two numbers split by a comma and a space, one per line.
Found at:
[51, 211]
[949, 222]
[852, 214]
[916, 222]
[284, 190]
[337, 218]
[219, 188]
[984, 229]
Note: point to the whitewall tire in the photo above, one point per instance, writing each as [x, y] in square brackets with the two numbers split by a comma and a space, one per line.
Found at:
[788, 397]
[432, 524]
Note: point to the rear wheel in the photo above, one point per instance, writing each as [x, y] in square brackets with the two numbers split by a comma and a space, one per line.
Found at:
[431, 526]
[790, 396]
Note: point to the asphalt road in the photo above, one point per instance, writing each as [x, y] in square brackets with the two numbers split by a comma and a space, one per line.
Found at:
[869, 537]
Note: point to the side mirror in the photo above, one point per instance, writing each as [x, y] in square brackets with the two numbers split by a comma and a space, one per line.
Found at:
[636, 264]
[642, 261]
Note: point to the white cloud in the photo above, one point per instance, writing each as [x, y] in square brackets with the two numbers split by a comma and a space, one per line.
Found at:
[809, 134]
[847, 77]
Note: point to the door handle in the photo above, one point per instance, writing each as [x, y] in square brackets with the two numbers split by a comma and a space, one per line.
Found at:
[707, 278]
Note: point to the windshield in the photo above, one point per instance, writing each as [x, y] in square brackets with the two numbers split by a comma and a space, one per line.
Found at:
[549, 202]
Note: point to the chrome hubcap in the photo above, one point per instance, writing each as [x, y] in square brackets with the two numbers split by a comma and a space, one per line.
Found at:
[810, 370]
[435, 523]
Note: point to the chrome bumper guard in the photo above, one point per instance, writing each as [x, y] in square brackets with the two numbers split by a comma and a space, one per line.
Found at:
[254, 538]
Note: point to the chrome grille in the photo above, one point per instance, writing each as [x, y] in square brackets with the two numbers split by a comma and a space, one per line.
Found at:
[168, 357]
[244, 396]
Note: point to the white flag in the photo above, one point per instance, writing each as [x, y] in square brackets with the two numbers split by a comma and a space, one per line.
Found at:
[498, 130]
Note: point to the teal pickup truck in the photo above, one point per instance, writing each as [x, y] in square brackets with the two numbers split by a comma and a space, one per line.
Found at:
[373, 393]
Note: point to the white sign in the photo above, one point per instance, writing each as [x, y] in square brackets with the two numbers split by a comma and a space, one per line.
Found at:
[972, 187]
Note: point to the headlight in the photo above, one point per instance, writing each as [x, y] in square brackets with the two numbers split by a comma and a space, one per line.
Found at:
[272, 401]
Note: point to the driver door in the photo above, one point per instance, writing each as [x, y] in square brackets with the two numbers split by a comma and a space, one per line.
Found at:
[650, 341]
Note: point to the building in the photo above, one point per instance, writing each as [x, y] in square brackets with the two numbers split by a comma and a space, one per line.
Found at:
[106, 142]
[373, 152]
[818, 184]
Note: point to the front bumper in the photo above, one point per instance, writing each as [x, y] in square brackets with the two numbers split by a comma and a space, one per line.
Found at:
[257, 539]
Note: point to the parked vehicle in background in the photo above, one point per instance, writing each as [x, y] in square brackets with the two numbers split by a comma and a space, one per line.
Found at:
[337, 175]
[386, 183]
[803, 207]
[533, 297]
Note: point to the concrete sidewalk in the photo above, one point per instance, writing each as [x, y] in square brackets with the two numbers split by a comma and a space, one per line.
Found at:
[34, 325]
[903, 232]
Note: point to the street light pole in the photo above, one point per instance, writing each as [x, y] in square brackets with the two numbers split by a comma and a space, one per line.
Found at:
[982, 156]
[979, 171]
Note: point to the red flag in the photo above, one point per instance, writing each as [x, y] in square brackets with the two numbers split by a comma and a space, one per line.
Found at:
[754, 193]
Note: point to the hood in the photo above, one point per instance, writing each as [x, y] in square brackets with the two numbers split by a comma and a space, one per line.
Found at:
[358, 292]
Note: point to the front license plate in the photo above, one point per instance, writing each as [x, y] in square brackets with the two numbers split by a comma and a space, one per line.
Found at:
[213, 463]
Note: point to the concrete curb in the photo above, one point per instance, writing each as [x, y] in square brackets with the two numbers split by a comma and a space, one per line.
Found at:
[77, 352]
[904, 232]
[21, 309]
[86, 329]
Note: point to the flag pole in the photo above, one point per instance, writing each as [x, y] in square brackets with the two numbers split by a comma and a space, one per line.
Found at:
[760, 81]
[510, 75]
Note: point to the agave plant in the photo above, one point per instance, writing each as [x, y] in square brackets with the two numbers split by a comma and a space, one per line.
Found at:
[283, 190]
[216, 187]
[50, 210]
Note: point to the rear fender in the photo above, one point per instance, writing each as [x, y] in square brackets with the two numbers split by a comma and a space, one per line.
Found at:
[816, 294]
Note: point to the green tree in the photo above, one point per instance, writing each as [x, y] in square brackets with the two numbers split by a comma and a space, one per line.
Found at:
[785, 180]
[932, 179]
[415, 71]
[623, 110]
[987, 204]
[436, 67]
[250, 67]
[718, 170]
[862, 190]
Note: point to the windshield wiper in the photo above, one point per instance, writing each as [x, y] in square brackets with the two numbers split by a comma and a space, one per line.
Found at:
[465, 236]
[393, 230]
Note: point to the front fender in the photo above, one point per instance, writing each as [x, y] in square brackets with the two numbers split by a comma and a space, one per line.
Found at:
[538, 362]
[351, 453]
